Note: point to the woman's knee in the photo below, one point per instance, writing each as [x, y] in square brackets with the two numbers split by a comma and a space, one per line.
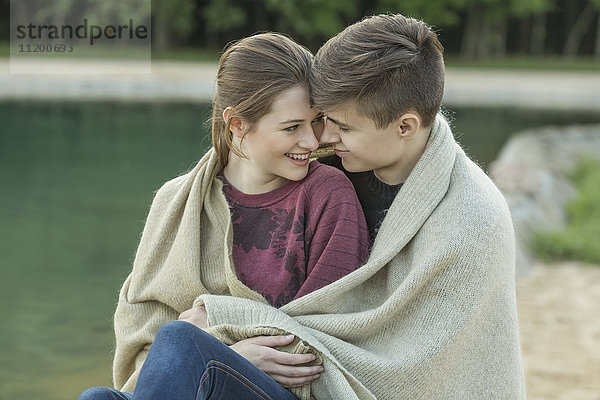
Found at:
[178, 340]
[181, 342]
[178, 330]
[101, 393]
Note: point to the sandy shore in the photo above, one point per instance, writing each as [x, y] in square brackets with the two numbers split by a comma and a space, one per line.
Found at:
[89, 79]
[559, 316]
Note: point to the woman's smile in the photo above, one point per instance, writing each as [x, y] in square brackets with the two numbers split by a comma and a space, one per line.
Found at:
[300, 159]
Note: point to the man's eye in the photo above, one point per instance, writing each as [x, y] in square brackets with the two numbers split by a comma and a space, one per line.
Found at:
[343, 129]
[291, 128]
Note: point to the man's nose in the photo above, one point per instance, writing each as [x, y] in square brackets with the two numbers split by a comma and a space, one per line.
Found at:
[330, 134]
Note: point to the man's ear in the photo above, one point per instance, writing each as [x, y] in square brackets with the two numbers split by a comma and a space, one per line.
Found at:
[408, 125]
[236, 126]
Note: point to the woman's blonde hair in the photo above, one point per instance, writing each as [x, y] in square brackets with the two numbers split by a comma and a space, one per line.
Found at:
[252, 73]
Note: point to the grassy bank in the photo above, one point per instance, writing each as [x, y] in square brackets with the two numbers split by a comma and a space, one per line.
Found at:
[579, 241]
[552, 63]
[452, 61]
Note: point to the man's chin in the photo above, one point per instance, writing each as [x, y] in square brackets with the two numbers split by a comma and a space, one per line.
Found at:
[352, 167]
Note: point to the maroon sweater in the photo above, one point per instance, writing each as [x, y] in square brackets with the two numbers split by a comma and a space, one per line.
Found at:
[299, 237]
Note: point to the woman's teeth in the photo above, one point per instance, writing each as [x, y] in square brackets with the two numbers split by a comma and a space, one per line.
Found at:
[298, 157]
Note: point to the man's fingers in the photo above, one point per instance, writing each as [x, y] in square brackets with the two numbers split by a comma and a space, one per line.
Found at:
[291, 359]
[294, 372]
[272, 341]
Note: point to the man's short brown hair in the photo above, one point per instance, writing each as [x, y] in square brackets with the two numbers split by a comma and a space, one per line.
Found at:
[385, 66]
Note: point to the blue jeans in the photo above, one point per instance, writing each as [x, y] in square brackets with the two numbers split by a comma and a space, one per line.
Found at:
[185, 362]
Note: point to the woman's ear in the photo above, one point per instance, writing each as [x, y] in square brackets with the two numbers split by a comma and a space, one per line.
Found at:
[236, 126]
[408, 125]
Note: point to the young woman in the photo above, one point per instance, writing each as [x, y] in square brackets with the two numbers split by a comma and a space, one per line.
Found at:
[254, 219]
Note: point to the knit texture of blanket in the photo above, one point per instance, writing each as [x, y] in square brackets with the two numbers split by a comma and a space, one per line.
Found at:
[431, 315]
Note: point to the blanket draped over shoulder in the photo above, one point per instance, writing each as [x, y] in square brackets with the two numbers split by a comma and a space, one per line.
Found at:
[431, 315]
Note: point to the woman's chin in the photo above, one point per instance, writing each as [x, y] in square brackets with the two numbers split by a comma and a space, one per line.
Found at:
[296, 175]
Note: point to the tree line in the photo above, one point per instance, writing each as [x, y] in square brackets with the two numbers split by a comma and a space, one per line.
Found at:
[471, 29]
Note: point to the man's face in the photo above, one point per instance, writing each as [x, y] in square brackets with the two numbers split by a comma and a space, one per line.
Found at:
[359, 143]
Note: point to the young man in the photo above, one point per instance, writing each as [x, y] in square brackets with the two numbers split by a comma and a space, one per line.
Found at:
[380, 85]
[432, 314]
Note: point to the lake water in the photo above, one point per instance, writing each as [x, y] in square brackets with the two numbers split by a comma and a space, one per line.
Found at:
[77, 180]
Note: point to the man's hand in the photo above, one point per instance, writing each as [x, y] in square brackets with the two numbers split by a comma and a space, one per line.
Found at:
[196, 316]
[284, 368]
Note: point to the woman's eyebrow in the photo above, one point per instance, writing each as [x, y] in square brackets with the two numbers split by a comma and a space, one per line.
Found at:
[291, 121]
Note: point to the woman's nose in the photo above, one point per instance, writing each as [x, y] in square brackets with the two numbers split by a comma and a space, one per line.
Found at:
[309, 140]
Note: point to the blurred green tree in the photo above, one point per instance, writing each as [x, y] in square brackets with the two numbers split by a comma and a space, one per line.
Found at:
[485, 26]
[587, 11]
[95, 11]
[309, 21]
[313, 19]
[484, 23]
[172, 21]
[597, 47]
[532, 15]
[438, 12]
[223, 15]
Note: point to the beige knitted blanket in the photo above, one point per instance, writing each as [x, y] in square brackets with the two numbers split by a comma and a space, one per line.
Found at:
[431, 315]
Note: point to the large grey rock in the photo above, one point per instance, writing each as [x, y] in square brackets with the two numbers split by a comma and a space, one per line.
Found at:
[532, 171]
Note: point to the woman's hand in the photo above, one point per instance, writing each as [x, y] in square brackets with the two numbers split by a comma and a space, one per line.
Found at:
[196, 316]
[284, 368]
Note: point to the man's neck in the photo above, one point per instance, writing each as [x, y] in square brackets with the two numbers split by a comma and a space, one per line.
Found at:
[398, 172]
